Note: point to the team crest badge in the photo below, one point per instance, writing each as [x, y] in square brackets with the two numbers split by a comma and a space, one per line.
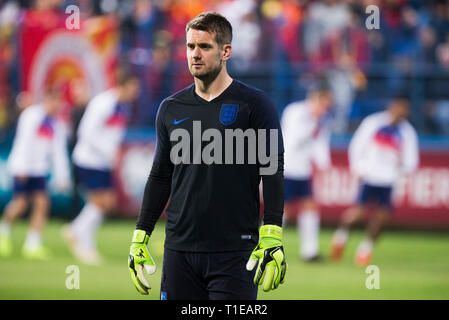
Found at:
[228, 113]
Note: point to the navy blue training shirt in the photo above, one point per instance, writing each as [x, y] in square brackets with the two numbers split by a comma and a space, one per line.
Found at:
[213, 207]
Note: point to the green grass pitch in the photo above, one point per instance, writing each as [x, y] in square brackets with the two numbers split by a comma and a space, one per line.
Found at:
[412, 265]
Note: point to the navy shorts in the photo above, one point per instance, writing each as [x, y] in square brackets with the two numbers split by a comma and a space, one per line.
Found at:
[380, 196]
[94, 179]
[207, 276]
[297, 188]
[30, 185]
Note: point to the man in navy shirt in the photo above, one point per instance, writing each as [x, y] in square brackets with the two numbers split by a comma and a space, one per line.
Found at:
[216, 140]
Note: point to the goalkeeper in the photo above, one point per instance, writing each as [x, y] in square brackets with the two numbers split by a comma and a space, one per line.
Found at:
[213, 247]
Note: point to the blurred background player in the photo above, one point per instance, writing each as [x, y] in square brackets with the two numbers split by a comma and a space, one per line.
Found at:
[39, 144]
[306, 129]
[80, 98]
[100, 134]
[384, 147]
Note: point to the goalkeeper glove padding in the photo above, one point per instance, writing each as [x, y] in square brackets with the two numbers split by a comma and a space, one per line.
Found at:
[140, 259]
[270, 255]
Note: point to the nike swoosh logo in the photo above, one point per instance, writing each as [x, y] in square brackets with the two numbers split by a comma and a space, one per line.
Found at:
[179, 121]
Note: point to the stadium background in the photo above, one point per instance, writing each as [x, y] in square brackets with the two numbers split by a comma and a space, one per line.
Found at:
[278, 46]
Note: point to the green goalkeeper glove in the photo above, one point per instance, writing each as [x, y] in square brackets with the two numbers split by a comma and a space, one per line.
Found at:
[270, 255]
[140, 259]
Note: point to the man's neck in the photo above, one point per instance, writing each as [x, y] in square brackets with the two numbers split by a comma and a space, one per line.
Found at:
[120, 94]
[313, 109]
[394, 121]
[210, 90]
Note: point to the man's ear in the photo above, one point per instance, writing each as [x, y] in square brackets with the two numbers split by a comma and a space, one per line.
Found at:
[227, 50]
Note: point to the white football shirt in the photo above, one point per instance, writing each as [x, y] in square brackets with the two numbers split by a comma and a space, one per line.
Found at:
[100, 132]
[306, 141]
[40, 143]
[380, 152]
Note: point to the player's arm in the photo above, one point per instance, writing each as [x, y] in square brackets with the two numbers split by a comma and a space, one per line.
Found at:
[273, 194]
[410, 152]
[359, 143]
[95, 116]
[156, 194]
[321, 150]
[291, 116]
[25, 135]
[269, 252]
[60, 159]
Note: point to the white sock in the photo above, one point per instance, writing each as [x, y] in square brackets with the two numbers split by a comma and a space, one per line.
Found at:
[365, 247]
[86, 224]
[340, 236]
[5, 229]
[33, 239]
[309, 228]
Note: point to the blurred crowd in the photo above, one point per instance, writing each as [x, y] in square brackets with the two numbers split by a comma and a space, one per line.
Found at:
[278, 46]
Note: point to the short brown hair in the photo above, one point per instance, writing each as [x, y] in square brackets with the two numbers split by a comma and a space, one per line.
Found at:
[212, 22]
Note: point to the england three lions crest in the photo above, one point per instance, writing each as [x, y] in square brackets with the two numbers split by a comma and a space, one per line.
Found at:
[228, 113]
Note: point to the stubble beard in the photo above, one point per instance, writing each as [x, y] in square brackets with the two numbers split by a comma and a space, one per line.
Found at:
[208, 76]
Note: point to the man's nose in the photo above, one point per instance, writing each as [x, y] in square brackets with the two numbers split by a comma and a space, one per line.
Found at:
[196, 53]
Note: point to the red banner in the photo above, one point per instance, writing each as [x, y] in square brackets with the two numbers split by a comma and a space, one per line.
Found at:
[130, 175]
[421, 199]
[52, 54]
